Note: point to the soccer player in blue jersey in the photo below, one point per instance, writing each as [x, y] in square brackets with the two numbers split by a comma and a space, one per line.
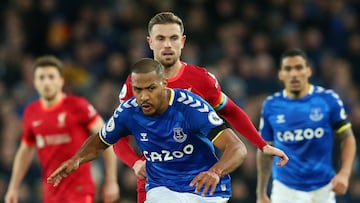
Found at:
[177, 132]
[304, 121]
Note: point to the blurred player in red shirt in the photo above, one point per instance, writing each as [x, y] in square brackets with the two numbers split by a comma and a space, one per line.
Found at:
[166, 39]
[56, 125]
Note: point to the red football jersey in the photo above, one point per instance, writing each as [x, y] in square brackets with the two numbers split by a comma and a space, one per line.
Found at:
[193, 78]
[58, 132]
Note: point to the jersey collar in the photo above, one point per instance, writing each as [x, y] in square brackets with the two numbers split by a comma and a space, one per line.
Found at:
[172, 95]
[310, 92]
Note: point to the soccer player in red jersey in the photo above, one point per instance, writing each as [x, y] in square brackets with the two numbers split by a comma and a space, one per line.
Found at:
[166, 40]
[56, 125]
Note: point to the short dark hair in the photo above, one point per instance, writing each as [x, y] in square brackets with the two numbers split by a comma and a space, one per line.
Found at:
[165, 18]
[49, 60]
[292, 53]
[146, 65]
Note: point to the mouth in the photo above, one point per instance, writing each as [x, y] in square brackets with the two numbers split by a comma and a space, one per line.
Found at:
[295, 83]
[168, 54]
[146, 107]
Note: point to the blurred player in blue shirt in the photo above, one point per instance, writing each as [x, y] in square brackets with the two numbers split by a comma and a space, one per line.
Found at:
[176, 131]
[304, 121]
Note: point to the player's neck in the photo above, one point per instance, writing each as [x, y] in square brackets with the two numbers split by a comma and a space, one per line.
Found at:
[49, 102]
[166, 98]
[173, 70]
[301, 94]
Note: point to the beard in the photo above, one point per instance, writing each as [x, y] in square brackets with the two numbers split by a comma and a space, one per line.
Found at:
[49, 97]
[167, 62]
[296, 93]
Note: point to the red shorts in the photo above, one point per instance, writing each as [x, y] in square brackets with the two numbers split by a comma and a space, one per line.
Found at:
[75, 199]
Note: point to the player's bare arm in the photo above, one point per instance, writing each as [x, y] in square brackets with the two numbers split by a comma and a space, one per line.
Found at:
[340, 182]
[234, 153]
[90, 150]
[273, 151]
[264, 167]
[110, 189]
[23, 158]
[233, 114]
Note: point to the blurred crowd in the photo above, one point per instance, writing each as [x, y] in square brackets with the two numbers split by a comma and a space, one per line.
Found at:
[238, 41]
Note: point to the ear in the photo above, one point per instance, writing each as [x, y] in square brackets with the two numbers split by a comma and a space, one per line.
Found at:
[149, 40]
[309, 71]
[280, 75]
[183, 40]
[62, 82]
[165, 82]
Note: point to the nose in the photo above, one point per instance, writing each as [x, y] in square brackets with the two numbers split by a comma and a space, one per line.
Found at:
[144, 96]
[293, 72]
[167, 43]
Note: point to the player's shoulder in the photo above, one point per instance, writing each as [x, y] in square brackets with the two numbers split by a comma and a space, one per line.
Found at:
[127, 105]
[181, 94]
[325, 92]
[319, 90]
[187, 98]
[274, 97]
[195, 68]
[35, 104]
[75, 99]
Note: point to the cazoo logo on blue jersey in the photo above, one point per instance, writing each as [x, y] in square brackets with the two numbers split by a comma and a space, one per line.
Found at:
[166, 155]
[300, 134]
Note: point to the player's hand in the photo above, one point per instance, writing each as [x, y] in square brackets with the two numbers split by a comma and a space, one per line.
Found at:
[139, 168]
[206, 180]
[110, 192]
[63, 171]
[12, 196]
[263, 199]
[340, 183]
[273, 151]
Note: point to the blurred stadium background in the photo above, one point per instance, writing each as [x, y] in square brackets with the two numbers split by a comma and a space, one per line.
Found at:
[239, 41]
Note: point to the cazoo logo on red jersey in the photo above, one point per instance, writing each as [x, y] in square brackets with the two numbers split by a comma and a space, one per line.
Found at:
[300, 134]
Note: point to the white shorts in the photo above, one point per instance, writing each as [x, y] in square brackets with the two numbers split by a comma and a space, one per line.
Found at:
[283, 194]
[164, 195]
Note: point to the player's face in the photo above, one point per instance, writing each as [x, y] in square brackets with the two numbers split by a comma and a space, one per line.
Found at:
[166, 41]
[150, 92]
[48, 82]
[294, 73]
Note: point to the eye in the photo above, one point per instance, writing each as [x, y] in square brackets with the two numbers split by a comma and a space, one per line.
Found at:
[160, 38]
[175, 37]
[299, 67]
[287, 68]
[136, 89]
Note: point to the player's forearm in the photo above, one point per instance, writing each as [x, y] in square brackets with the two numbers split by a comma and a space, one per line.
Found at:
[22, 161]
[242, 123]
[90, 150]
[264, 166]
[348, 151]
[232, 157]
[110, 164]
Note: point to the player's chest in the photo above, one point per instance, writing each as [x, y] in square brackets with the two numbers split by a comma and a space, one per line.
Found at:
[165, 130]
[299, 114]
[49, 122]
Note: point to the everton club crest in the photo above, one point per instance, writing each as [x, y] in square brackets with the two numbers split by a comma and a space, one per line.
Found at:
[179, 135]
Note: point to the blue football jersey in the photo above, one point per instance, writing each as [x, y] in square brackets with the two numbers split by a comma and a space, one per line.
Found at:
[304, 129]
[175, 144]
